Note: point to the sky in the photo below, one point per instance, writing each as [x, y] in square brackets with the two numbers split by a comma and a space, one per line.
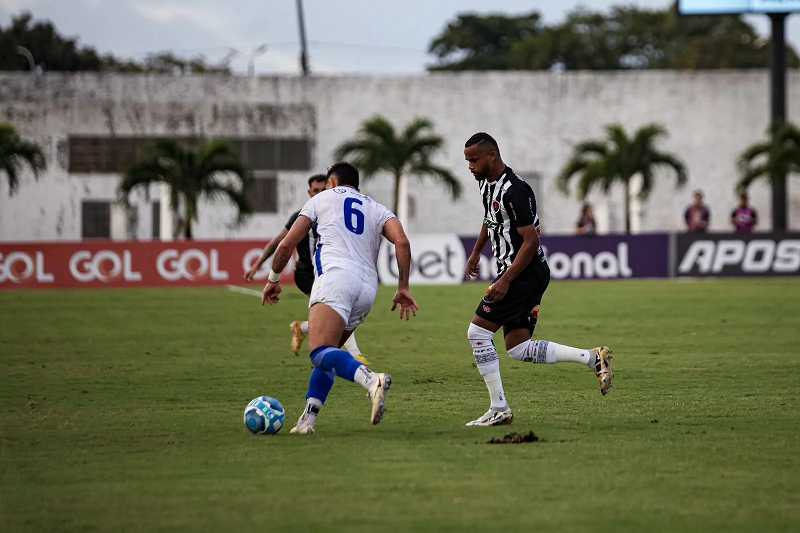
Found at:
[345, 36]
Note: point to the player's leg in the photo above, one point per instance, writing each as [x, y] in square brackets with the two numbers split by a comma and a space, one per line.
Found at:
[352, 346]
[521, 347]
[480, 334]
[319, 386]
[305, 284]
[344, 294]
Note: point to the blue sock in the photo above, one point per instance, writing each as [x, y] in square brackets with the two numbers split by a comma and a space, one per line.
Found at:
[340, 362]
[320, 384]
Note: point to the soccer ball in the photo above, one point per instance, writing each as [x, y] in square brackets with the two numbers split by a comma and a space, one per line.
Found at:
[264, 416]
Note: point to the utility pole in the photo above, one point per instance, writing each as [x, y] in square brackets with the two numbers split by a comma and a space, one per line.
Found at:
[778, 116]
[303, 44]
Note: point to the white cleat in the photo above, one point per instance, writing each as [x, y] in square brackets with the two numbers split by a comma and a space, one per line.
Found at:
[494, 418]
[377, 395]
[305, 430]
[304, 426]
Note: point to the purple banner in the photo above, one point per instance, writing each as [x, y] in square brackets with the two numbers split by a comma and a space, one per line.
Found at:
[593, 257]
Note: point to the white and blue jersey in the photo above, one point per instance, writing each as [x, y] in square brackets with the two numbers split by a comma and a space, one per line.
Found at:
[350, 226]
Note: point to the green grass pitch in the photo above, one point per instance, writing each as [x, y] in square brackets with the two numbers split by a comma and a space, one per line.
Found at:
[122, 411]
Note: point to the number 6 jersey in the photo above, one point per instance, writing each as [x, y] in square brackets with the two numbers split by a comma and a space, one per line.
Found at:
[350, 227]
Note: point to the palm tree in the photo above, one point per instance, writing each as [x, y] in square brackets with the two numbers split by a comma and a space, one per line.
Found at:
[15, 152]
[619, 158]
[190, 175]
[379, 148]
[774, 160]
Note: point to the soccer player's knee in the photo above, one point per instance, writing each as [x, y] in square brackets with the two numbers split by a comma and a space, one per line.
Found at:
[477, 334]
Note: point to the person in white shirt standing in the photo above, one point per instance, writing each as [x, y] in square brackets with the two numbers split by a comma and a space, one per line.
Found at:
[350, 226]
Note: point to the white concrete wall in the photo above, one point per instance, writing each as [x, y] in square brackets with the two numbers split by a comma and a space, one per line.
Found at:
[536, 118]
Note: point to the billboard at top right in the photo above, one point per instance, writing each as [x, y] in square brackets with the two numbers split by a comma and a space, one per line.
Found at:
[714, 7]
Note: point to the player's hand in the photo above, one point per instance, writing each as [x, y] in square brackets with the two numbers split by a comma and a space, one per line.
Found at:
[271, 294]
[497, 290]
[406, 302]
[473, 266]
[248, 276]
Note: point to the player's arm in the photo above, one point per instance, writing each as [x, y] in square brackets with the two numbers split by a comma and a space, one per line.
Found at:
[473, 264]
[733, 218]
[269, 249]
[272, 289]
[393, 231]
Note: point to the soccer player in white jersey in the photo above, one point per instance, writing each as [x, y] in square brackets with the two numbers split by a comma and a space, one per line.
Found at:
[350, 226]
[303, 269]
[512, 224]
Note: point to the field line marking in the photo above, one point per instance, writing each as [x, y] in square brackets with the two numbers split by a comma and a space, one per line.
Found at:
[242, 290]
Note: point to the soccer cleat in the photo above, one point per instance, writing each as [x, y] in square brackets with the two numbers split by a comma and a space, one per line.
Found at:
[304, 425]
[494, 418]
[305, 430]
[361, 358]
[297, 336]
[602, 368]
[377, 394]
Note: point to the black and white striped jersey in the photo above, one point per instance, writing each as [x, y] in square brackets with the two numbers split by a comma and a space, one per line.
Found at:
[509, 203]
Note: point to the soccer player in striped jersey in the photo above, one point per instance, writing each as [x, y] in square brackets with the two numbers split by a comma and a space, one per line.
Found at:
[512, 302]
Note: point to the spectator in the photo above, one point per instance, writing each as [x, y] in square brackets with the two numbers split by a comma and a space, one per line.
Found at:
[744, 218]
[697, 215]
[586, 225]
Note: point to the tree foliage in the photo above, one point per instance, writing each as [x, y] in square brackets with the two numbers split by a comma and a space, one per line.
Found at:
[617, 159]
[15, 153]
[54, 52]
[779, 156]
[191, 175]
[625, 37]
[379, 147]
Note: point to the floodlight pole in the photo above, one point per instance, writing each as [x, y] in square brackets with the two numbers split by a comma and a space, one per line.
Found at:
[778, 81]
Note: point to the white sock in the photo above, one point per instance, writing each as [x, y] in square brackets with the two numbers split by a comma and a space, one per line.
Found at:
[304, 327]
[488, 364]
[351, 345]
[546, 352]
[365, 377]
[309, 416]
[496, 393]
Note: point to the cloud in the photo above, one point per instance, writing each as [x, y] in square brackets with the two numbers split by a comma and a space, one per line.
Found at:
[18, 5]
[211, 19]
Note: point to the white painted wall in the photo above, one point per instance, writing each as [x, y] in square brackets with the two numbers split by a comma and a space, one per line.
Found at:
[536, 118]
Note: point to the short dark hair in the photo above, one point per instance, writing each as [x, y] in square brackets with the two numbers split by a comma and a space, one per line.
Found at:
[345, 172]
[482, 138]
[316, 178]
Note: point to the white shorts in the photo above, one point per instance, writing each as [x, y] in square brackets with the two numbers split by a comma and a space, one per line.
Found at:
[346, 293]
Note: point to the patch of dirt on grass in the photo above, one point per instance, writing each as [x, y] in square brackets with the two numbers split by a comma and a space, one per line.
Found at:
[516, 438]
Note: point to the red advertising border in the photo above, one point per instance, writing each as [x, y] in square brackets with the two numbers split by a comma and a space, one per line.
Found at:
[106, 264]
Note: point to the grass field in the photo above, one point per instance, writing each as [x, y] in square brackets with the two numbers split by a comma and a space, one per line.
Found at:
[122, 411]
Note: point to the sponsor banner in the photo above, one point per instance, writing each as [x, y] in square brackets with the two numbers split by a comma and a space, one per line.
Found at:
[765, 254]
[130, 264]
[435, 260]
[593, 257]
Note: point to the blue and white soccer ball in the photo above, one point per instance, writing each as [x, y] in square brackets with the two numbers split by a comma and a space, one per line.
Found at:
[264, 416]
